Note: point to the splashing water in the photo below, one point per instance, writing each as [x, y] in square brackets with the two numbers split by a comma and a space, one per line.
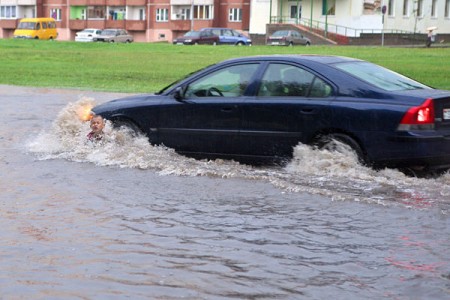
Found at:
[337, 175]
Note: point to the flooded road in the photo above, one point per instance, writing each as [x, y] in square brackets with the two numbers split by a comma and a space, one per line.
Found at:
[124, 219]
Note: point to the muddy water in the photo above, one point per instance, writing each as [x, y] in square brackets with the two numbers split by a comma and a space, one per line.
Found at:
[124, 219]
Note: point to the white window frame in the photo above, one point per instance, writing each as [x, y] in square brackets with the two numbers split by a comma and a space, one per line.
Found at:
[235, 15]
[447, 9]
[8, 12]
[391, 8]
[419, 8]
[203, 12]
[162, 15]
[58, 13]
[434, 8]
[405, 10]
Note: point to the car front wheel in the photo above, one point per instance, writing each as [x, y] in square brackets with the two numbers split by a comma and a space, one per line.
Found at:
[128, 126]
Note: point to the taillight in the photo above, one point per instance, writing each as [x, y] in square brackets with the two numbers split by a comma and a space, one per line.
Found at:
[419, 117]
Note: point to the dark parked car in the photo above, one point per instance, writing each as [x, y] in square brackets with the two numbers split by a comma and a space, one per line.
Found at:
[114, 36]
[197, 38]
[229, 36]
[287, 38]
[262, 107]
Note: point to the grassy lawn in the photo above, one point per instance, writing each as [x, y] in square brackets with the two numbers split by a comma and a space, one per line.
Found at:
[147, 67]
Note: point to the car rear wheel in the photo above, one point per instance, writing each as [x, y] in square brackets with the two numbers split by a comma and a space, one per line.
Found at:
[240, 44]
[291, 44]
[341, 143]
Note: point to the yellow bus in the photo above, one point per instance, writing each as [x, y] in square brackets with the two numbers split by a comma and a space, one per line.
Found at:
[36, 28]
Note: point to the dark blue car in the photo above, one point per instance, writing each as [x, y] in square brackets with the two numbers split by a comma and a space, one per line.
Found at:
[258, 108]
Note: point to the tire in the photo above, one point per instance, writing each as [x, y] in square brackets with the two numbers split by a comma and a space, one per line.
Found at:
[328, 142]
[308, 44]
[129, 126]
[291, 44]
[240, 44]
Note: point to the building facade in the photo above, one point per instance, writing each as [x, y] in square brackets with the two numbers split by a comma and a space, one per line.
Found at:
[352, 17]
[163, 20]
[146, 20]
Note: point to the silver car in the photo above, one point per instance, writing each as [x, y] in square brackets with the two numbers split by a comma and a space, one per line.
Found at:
[114, 36]
[287, 38]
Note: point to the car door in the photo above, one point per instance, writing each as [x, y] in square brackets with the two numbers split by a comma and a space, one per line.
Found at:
[206, 37]
[207, 119]
[290, 105]
[227, 37]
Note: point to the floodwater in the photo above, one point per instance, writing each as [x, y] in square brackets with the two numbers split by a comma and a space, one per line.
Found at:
[125, 220]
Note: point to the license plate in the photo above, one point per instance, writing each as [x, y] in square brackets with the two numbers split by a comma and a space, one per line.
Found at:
[446, 113]
[275, 43]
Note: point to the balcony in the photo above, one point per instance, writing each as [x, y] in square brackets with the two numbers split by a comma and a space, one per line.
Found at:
[135, 25]
[115, 24]
[8, 24]
[77, 24]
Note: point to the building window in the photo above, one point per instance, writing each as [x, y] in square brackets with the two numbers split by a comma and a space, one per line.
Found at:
[328, 7]
[235, 15]
[8, 12]
[433, 9]
[162, 15]
[96, 12]
[447, 8]
[203, 12]
[390, 8]
[419, 9]
[405, 8]
[55, 13]
[117, 12]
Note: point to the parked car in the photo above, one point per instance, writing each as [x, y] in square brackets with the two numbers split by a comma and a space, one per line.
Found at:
[87, 35]
[36, 28]
[262, 107]
[197, 38]
[229, 36]
[287, 38]
[114, 36]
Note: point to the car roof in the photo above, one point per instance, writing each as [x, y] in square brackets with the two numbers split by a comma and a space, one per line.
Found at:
[322, 59]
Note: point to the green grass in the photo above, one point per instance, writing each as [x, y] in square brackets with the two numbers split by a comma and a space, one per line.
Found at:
[147, 67]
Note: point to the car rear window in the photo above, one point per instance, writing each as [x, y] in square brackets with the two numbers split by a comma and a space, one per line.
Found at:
[383, 78]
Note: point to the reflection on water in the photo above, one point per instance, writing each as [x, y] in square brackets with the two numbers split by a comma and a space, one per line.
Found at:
[335, 175]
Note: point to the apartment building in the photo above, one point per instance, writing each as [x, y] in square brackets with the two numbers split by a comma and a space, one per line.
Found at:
[146, 20]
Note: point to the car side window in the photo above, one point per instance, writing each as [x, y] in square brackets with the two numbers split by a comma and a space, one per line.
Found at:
[231, 81]
[291, 81]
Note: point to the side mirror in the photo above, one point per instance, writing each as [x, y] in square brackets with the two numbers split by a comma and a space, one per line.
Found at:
[179, 93]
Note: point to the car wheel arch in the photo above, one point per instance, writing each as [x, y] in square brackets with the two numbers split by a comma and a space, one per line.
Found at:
[121, 121]
[322, 139]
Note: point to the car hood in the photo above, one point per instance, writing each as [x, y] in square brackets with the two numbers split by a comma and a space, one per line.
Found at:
[115, 106]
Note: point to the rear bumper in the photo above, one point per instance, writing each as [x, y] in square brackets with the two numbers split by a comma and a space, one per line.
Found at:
[409, 149]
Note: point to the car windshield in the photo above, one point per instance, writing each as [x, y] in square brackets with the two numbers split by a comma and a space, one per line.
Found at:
[170, 86]
[108, 32]
[383, 78]
[88, 31]
[192, 33]
[280, 33]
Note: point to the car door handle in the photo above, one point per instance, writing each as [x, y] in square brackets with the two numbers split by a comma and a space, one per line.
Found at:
[227, 109]
[308, 111]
